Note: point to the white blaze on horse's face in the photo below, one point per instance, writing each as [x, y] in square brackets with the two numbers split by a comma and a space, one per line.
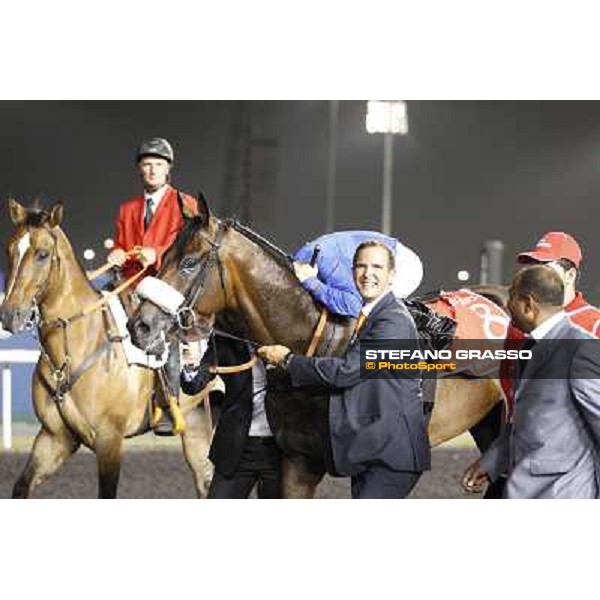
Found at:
[23, 245]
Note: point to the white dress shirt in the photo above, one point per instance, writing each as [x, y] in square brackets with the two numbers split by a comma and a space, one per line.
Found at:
[259, 426]
[542, 330]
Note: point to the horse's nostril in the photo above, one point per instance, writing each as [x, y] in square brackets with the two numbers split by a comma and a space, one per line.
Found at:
[142, 328]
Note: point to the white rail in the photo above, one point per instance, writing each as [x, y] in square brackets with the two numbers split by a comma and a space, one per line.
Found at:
[8, 358]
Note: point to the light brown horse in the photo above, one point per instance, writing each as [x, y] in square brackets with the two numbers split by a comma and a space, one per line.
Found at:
[226, 269]
[106, 400]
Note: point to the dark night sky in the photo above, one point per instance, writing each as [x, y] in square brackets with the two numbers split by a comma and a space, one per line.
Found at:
[467, 171]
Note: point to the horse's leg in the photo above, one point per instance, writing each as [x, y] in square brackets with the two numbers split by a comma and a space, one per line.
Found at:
[460, 404]
[108, 447]
[298, 480]
[47, 455]
[196, 443]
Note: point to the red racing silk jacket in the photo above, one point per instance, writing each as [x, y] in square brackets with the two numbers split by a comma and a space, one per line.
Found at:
[160, 235]
[580, 313]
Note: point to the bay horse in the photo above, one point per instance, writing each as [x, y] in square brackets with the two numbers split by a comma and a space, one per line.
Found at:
[227, 270]
[107, 400]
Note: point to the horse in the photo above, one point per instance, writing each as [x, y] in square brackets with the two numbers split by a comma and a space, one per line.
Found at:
[227, 271]
[84, 391]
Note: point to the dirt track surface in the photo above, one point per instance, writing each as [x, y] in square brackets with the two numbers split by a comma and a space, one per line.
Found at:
[163, 473]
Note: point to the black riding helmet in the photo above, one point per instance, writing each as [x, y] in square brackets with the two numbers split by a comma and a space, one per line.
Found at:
[156, 147]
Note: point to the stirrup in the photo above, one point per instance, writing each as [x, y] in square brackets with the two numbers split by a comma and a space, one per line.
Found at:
[157, 415]
[178, 420]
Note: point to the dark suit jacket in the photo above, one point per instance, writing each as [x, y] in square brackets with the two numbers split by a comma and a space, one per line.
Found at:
[372, 421]
[236, 414]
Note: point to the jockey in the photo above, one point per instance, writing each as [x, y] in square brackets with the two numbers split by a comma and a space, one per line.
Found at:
[330, 281]
[152, 220]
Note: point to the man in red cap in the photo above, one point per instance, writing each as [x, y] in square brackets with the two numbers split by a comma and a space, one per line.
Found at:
[561, 252]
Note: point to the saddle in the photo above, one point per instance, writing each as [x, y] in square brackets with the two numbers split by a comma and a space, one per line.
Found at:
[165, 414]
[480, 323]
[436, 331]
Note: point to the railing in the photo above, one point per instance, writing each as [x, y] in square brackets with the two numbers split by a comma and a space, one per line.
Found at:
[8, 358]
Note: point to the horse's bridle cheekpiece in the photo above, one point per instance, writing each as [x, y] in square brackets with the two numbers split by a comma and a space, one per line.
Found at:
[172, 301]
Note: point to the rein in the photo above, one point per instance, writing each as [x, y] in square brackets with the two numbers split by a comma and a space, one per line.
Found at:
[248, 365]
[101, 301]
[185, 315]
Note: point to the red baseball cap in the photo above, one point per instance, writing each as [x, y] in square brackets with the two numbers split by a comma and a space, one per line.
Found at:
[553, 245]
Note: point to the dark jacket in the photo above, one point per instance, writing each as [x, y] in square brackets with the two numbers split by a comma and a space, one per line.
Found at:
[372, 421]
[236, 414]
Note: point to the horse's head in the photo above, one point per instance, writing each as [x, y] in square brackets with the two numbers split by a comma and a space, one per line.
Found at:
[191, 287]
[32, 254]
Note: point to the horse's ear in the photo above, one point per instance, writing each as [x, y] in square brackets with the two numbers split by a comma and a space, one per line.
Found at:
[56, 214]
[18, 213]
[203, 209]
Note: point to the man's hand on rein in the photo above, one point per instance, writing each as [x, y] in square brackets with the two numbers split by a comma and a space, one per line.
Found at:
[117, 257]
[273, 355]
[147, 256]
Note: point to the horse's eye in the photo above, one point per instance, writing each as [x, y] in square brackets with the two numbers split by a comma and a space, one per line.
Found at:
[188, 264]
[42, 255]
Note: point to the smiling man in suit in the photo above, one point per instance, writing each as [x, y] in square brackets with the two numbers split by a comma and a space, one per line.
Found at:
[550, 450]
[377, 429]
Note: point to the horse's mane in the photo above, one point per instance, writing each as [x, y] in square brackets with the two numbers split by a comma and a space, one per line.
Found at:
[194, 224]
[36, 217]
[39, 216]
[191, 226]
[281, 257]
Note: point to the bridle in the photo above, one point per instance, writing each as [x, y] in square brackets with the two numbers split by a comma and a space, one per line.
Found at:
[35, 318]
[63, 376]
[185, 315]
